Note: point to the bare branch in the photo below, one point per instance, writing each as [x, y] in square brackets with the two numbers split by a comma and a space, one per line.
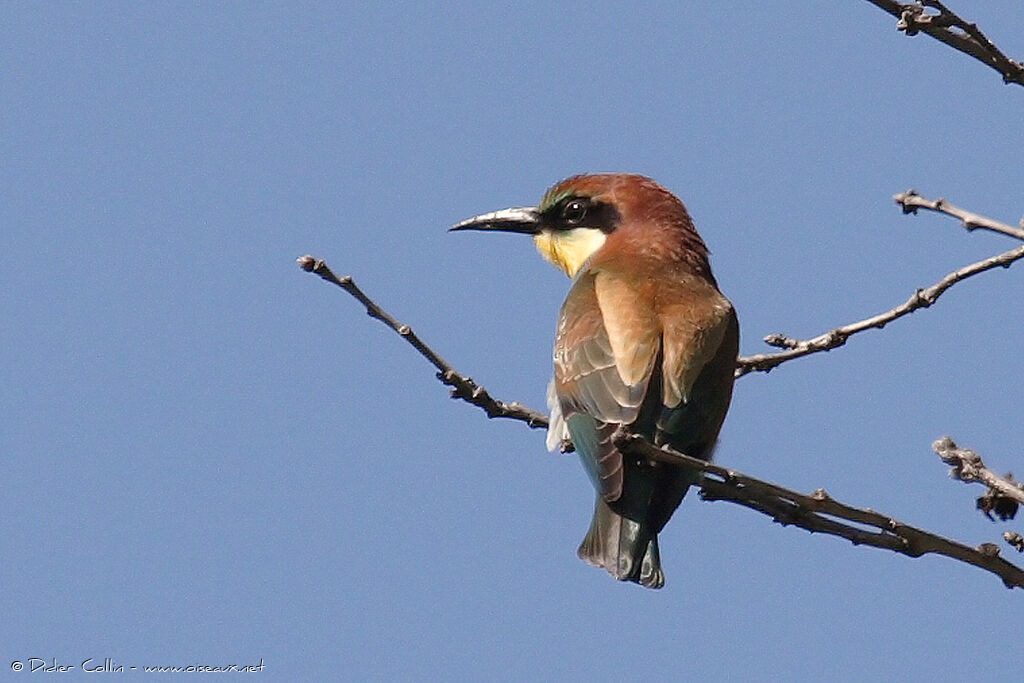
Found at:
[463, 387]
[819, 513]
[911, 201]
[922, 298]
[968, 467]
[1004, 494]
[951, 29]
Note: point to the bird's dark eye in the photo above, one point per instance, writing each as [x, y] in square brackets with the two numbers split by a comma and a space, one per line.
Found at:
[574, 211]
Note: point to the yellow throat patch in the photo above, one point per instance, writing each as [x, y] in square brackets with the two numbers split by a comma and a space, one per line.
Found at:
[568, 250]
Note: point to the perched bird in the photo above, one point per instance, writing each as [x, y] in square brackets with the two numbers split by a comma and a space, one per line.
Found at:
[645, 344]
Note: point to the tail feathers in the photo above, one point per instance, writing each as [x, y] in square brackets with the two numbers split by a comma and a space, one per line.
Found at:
[624, 548]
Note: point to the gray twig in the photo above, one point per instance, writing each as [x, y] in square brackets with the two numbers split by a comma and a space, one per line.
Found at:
[968, 467]
[922, 298]
[1004, 494]
[463, 387]
[910, 201]
[949, 28]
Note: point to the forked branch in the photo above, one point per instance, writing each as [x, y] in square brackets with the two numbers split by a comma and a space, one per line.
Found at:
[910, 201]
[921, 298]
[948, 27]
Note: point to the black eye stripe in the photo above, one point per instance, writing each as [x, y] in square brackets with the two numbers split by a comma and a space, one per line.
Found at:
[576, 212]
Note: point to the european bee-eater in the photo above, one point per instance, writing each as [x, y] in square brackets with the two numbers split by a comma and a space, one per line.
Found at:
[645, 343]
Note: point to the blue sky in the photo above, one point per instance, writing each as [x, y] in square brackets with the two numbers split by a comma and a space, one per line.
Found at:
[210, 457]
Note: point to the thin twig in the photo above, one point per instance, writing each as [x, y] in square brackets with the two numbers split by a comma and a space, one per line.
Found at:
[1015, 540]
[819, 513]
[910, 201]
[922, 298]
[463, 387]
[1004, 494]
[949, 28]
[968, 467]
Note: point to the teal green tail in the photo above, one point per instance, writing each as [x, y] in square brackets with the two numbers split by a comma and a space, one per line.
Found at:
[625, 549]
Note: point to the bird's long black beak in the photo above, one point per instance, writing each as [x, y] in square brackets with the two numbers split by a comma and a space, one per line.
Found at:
[524, 220]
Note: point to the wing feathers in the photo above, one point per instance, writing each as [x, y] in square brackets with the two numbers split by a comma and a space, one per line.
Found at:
[630, 324]
[693, 330]
[588, 376]
[589, 383]
[612, 330]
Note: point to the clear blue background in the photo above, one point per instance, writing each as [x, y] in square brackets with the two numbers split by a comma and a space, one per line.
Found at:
[211, 457]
